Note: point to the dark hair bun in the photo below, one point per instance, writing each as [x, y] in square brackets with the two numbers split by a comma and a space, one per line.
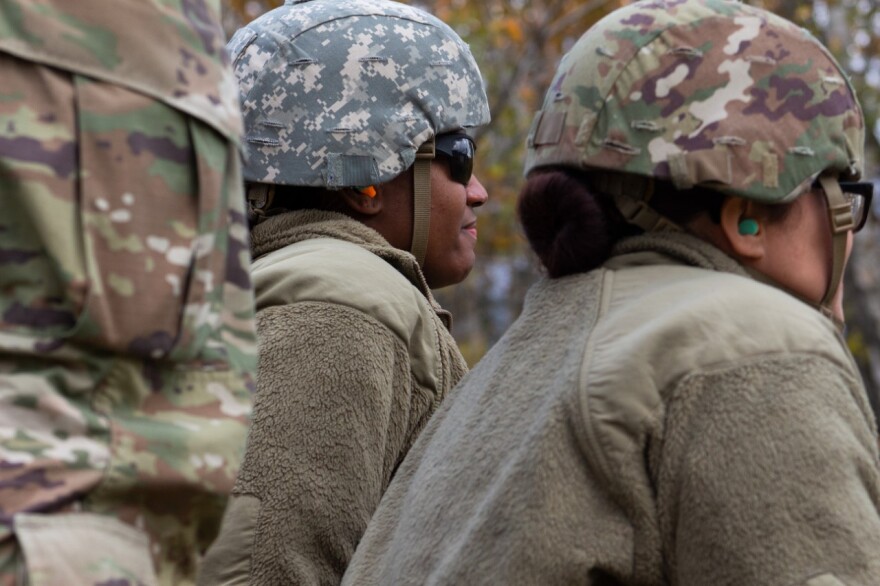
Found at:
[570, 228]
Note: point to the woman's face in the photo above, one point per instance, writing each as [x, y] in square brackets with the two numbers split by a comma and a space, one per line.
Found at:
[452, 235]
[798, 250]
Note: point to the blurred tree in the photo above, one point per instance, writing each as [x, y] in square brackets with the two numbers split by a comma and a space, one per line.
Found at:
[517, 44]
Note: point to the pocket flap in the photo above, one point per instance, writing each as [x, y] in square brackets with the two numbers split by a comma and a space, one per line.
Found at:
[83, 548]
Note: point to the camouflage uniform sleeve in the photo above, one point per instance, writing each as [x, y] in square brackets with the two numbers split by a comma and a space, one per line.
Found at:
[127, 341]
[331, 419]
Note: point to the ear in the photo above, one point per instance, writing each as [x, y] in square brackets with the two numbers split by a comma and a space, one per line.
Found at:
[743, 241]
[362, 203]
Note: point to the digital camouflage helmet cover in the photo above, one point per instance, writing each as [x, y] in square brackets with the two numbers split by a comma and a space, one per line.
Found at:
[344, 93]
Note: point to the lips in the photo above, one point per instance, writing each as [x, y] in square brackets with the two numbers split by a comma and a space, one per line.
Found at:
[471, 229]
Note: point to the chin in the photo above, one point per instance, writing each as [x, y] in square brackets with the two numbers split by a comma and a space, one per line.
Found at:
[448, 278]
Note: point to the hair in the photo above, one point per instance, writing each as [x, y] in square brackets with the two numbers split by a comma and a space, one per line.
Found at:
[295, 197]
[572, 227]
[682, 206]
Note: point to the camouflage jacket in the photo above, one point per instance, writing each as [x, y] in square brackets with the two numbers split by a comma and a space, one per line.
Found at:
[127, 343]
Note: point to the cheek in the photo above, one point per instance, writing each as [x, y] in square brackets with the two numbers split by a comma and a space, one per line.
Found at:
[798, 261]
[447, 215]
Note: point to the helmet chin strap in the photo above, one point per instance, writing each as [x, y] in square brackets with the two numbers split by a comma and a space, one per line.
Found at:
[422, 200]
[636, 210]
[840, 214]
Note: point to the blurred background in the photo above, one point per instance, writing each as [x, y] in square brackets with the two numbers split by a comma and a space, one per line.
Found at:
[517, 44]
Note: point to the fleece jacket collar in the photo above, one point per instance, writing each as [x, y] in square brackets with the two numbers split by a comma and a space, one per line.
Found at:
[690, 250]
[285, 229]
[678, 246]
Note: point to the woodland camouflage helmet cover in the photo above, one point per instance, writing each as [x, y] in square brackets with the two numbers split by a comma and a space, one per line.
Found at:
[702, 92]
[341, 93]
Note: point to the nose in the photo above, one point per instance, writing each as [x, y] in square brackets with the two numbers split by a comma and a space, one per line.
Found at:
[476, 193]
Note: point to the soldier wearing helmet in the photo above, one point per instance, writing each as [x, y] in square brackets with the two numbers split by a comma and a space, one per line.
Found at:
[675, 404]
[127, 334]
[361, 196]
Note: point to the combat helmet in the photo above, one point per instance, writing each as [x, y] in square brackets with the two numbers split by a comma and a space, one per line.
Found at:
[708, 93]
[351, 93]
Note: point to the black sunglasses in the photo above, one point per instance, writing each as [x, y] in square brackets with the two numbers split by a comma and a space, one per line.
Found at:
[858, 195]
[459, 151]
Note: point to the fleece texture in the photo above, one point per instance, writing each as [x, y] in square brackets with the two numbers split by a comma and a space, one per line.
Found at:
[355, 356]
[663, 420]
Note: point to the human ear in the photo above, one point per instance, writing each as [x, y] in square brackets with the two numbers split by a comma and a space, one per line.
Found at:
[362, 202]
[742, 226]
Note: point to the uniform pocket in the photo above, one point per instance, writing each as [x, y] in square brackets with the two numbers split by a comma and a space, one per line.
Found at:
[108, 213]
[42, 273]
[82, 548]
[140, 204]
[121, 224]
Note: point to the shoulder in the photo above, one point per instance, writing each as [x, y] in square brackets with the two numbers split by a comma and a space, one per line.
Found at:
[337, 273]
[168, 55]
[701, 318]
[662, 325]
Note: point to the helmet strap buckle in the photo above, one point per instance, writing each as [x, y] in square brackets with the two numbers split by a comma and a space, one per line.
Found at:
[631, 194]
[259, 199]
[840, 214]
[260, 196]
[427, 150]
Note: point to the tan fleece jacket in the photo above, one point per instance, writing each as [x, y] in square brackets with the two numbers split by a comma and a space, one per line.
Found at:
[354, 358]
[662, 420]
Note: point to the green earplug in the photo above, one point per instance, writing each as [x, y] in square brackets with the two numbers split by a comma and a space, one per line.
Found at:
[748, 227]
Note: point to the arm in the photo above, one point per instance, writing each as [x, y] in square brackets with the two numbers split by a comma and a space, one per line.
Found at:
[330, 418]
[769, 475]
